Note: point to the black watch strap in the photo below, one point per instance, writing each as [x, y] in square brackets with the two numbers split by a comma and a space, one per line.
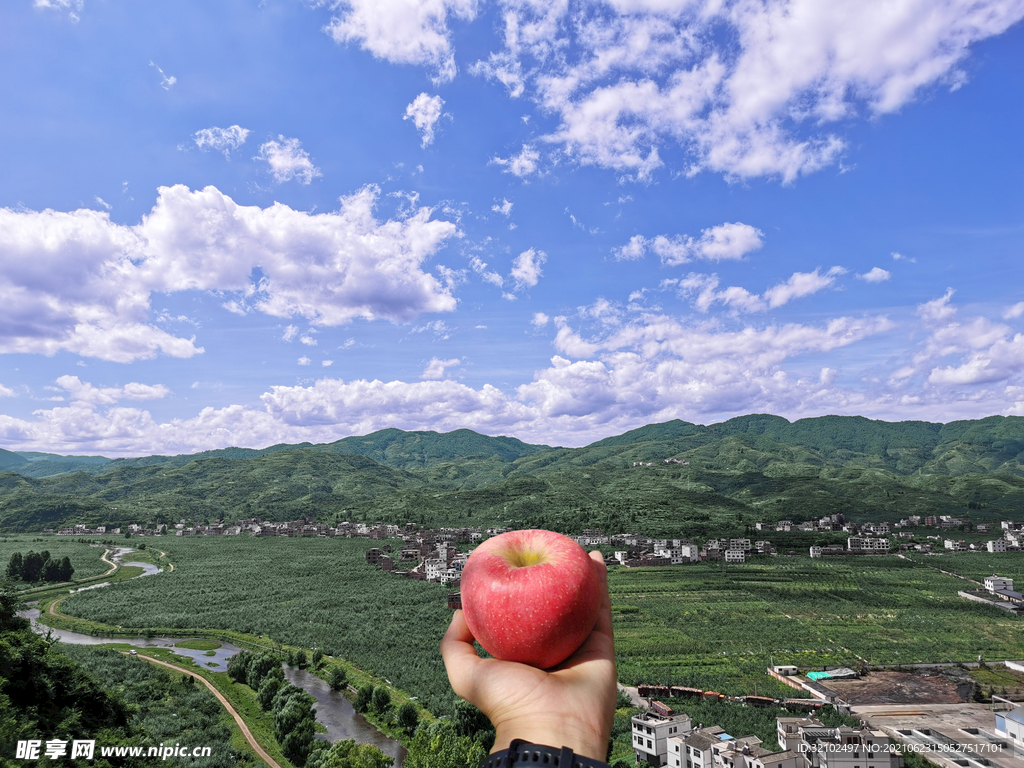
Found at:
[521, 752]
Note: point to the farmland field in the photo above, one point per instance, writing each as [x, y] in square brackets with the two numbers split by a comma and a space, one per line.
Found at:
[685, 625]
[689, 625]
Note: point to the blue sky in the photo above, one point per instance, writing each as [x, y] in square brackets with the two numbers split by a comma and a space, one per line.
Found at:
[243, 223]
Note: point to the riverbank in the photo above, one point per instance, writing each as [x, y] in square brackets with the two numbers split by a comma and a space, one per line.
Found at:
[335, 708]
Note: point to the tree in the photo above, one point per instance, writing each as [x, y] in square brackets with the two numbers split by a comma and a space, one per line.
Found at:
[469, 720]
[238, 666]
[258, 668]
[363, 697]
[381, 699]
[14, 566]
[318, 656]
[32, 566]
[438, 746]
[348, 754]
[622, 699]
[268, 689]
[408, 717]
[337, 678]
[300, 659]
[51, 571]
[66, 570]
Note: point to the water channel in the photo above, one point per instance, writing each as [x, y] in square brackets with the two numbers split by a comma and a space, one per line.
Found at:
[333, 710]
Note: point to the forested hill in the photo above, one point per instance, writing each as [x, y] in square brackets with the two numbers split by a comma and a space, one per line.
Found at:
[722, 478]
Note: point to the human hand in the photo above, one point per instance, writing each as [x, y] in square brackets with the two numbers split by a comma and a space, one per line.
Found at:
[571, 705]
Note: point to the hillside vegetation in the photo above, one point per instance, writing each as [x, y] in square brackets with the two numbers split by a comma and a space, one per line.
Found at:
[757, 467]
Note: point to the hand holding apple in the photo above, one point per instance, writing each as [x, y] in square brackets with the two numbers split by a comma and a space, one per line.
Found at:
[571, 705]
[530, 596]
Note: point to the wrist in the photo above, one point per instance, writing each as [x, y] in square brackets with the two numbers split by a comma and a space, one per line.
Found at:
[553, 732]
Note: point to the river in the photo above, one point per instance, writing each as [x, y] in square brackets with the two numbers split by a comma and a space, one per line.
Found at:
[333, 710]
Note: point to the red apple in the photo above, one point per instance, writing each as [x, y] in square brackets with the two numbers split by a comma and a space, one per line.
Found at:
[531, 596]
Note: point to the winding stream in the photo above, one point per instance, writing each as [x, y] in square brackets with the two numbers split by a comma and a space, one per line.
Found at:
[333, 710]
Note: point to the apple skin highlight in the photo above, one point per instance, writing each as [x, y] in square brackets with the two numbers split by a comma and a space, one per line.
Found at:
[531, 596]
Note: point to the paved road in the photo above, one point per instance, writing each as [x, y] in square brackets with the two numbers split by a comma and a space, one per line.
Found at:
[633, 695]
[231, 710]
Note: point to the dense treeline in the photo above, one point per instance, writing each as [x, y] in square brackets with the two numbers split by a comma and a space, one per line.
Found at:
[729, 475]
[44, 695]
[85, 557]
[39, 566]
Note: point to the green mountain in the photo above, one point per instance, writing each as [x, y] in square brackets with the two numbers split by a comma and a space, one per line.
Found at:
[719, 478]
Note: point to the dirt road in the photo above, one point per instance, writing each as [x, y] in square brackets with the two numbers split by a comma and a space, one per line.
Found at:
[231, 710]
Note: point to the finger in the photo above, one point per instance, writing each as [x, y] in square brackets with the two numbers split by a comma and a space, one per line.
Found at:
[604, 617]
[460, 659]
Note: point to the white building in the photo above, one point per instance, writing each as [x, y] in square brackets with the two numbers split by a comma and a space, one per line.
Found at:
[694, 750]
[788, 729]
[742, 544]
[996, 545]
[651, 732]
[735, 556]
[1011, 725]
[955, 546]
[996, 583]
[433, 569]
[869, 545]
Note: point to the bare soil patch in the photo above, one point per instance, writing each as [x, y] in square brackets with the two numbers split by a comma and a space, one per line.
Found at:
[925, 687]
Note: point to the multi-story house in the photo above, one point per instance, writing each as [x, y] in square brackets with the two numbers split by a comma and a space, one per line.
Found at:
[651, 732]
[693, 750]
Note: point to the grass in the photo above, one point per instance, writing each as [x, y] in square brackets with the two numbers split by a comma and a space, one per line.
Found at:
[199, 645]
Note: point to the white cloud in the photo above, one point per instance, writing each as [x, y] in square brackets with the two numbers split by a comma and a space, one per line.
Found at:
[522, 165]
[651, 369]
[1015, 311]
[505, 209]
[308, 340]
[631, 251]
[79, 391]
[326, 363]
[287, 160]
[800, 284]
[480, 267]
[290, 333]
[402, 31]
[539, 319]
[73, 7]
[896, 256]
[436, 368]
[703, 289]
[304, 360]
[526, 269]
[78, 282]
[166, 81]
[938, 310]
[425, 111]
[100, 201]
[6, 391]
[221, 139]
[724, 242]
[746, 88]
[876, 275]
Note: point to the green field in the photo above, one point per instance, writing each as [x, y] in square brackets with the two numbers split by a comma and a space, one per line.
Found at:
[306, 592]
[684, 625]
[85, 558]
[690, 625]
